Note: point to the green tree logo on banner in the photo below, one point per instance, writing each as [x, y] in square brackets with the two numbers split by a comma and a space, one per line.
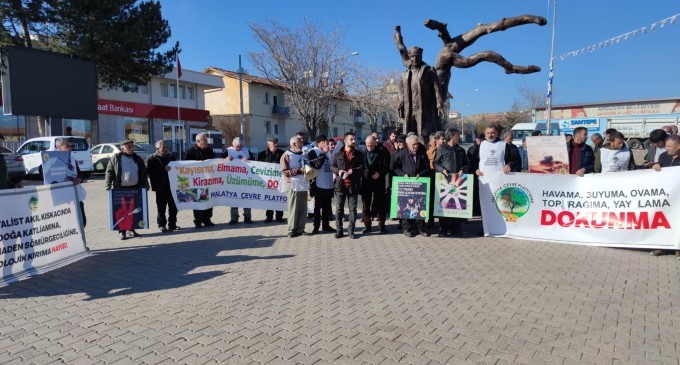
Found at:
[512, 203]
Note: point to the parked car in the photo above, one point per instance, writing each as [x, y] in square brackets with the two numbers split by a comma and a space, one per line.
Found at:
[101, 154]
[15, 165]
[31, 149]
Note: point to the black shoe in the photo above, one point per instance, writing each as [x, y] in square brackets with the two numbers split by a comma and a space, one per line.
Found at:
[328, 229]
[122, 236]
[268, 220]
[338, 234]
[231, 223]
[366, 230]
[134, 234]
[208, 223]
[408, 234]
[314, 231]
[352, 236]
[197, 224]
[248, 221]
[280, 220]
[424, 233]
[174, 228]
[303, 233]
[291, 234]
[383, 230]
[441, 234]
[163, 229]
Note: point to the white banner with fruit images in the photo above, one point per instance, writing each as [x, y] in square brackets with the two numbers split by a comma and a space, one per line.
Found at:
[220, 182]
[623, 209]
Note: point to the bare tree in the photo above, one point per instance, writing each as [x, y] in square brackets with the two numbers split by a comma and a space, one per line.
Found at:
[230, 127]
[373, 93]
[449, 56]
[309, 64]
[532, 98]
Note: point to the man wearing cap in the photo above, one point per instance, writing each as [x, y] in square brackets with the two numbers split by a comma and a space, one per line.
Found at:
[321, 188]
[348, 167]
[238, 152]
[126, 170]
[160, 183]
[272, 154]
[201, 152]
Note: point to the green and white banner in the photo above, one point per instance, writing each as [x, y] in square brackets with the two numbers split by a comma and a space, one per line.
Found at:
[410, 198]
[220, 182]
[622, 209]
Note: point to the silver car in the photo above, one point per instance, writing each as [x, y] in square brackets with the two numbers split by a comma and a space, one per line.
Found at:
[15, 164]
[101, 154]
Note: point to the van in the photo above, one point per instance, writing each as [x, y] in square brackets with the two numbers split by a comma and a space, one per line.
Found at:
[31, 149]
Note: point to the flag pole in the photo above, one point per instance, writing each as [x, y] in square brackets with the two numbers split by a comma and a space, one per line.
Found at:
[179, 119]
[551, 74]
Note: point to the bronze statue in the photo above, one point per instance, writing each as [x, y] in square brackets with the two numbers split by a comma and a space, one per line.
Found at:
[420, 97]
[449, 56]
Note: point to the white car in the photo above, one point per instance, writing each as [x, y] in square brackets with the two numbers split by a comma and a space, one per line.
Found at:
[31, 149]
[102, 153]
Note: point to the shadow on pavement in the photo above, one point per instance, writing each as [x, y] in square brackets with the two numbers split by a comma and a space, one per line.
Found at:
[128, 270]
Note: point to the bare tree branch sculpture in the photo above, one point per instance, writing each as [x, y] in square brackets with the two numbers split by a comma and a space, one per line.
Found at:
[449, 56]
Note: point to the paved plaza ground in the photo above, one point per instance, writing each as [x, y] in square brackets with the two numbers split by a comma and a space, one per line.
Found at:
[248, 294]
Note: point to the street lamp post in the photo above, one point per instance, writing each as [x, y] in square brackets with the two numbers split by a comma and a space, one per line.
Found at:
[240, 87]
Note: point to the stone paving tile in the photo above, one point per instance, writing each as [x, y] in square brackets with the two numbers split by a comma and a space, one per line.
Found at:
[249, 294]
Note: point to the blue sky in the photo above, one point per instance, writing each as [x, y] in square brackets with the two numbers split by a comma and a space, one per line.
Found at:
[215, 32]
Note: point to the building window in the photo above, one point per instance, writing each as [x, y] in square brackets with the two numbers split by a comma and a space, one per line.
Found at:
[190, 93]
[266, 98]
[78, 127]
[275, 100]
[143, 89]
[136, 129]
[164, 89]
[172, 91]
[268, 127]
[181, 92]
[276, 129]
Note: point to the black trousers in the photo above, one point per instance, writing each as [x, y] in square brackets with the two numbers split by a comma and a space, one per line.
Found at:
[163, 200]
[447, 224]
[270, 214]
[203, 216]
[373, 199]
[352, 200]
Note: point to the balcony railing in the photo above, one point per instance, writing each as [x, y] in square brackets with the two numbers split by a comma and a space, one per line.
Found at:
[283, 111]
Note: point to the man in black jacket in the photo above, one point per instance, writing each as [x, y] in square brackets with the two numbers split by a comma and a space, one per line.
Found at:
[450, 160]
[412, 161]
[273, 155]
[322, 187]
[348, 167]
[581, 156]
[377, 162]
[201, 152]
[157, 168]
[515, 157]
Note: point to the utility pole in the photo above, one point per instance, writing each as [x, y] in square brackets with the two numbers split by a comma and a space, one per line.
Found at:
[240, 87]
[550, 76]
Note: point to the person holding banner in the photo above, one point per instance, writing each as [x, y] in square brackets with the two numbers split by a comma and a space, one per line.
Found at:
[201, 152]
[615, 157]
[238, 152]
[126, 170]
[515, 157]
[670, 158]
[348, 167]
[412, 162]
[581, 156]
[158, 174]
[272, 154]
[493, 154]
[450, 159]
[292, 169]
[377, 162]
[657, 146]
[64, 144]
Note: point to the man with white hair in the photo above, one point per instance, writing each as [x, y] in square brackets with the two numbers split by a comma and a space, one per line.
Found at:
[201, 152]
[238, 152]
[292, 169]
[157, 168]
[412, 162]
